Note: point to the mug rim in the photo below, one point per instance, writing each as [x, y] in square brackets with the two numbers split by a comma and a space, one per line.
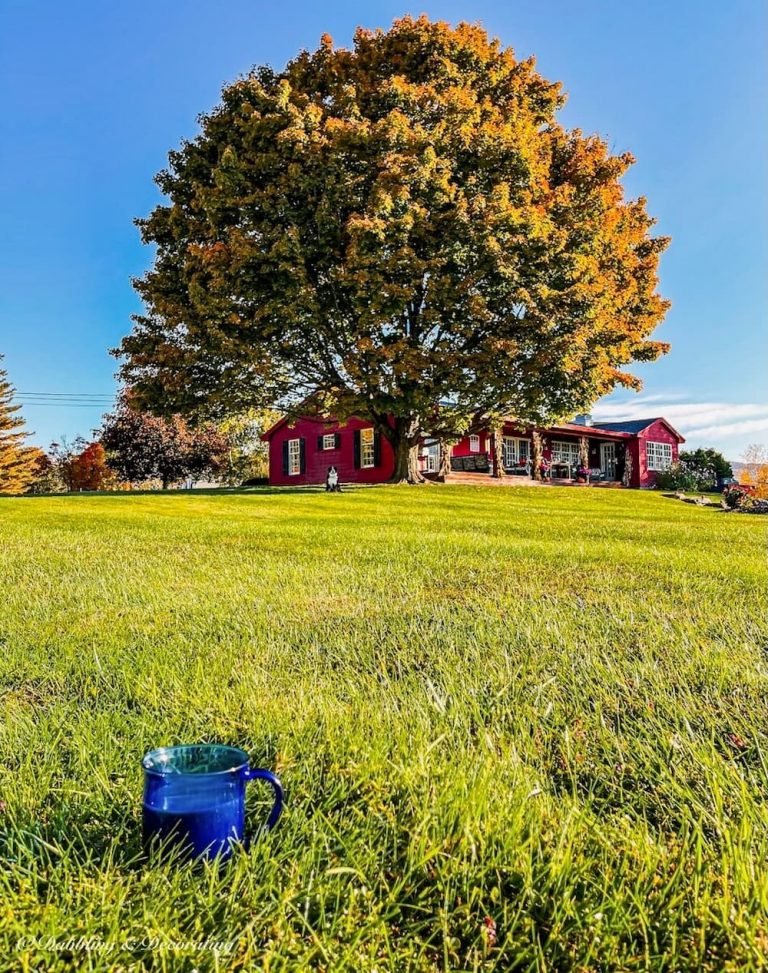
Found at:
[176, 748]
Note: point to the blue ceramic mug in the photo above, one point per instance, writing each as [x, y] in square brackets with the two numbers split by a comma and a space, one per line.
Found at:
[194, 798]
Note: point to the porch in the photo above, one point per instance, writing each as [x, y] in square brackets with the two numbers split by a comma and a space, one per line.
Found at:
[486, 479]
[570, 454]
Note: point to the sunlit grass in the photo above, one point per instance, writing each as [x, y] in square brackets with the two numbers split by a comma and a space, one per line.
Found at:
[544, 707]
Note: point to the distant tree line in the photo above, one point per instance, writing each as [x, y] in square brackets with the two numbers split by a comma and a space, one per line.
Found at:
[132, 449]
[136, 449]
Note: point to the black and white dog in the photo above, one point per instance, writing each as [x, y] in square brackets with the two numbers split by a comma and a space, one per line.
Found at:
[332, 484]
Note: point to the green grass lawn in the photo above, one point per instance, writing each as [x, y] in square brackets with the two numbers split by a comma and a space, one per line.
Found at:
[541, 708]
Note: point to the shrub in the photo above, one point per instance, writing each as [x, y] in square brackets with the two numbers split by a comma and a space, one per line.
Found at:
[743, 499]
[679, 476]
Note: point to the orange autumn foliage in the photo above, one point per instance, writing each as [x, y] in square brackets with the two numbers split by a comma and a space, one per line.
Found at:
[88, 470]
[383, 227]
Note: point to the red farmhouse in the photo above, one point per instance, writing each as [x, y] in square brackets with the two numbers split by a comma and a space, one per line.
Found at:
[302, 450]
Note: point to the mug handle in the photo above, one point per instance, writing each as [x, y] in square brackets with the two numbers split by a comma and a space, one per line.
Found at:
[255, 773]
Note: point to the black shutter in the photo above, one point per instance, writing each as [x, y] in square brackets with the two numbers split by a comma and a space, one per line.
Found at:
[319, 442]
[302, 456]
[285, 458]
[377, 449]
[337, 436]
[357, 449]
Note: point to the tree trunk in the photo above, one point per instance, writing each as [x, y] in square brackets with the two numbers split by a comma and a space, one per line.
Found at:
[446, 451]
[538, 454]
[405, 439]
[584, 452]
[498, 453]
[406, 463]
[627, 476]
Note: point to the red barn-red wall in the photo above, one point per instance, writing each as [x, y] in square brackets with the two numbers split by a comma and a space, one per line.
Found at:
[658, 432]
[462, 447]
[317, 461]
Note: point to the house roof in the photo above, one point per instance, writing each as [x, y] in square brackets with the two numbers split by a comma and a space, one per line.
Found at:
[628, 425]
[267, 434]
[635, 426]
[621, 429]
[575, 428]
[288, 419]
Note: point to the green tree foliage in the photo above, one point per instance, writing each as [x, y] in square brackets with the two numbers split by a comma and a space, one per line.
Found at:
[62, 475]
[247, 457]
[143, 447]
[710, 463]
[18, 463]
[696, 470]
[384, 228]
[47, 474]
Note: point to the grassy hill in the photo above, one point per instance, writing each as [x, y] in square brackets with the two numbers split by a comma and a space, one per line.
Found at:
[518, 728]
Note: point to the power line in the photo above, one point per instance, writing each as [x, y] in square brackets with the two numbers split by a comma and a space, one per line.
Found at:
[66, 395]
[23, 398]
[68, 405]
[65, 400]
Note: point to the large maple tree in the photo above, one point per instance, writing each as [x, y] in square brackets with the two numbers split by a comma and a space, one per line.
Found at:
[402, 231]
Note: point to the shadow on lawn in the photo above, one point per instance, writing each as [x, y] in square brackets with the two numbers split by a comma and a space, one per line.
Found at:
[711, 498]
[74, 837]
[177, 494]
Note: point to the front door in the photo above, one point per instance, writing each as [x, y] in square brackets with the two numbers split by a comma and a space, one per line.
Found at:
[608, 460]
[431, 456]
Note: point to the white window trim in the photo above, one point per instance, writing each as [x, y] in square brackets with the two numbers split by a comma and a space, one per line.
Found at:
[517, 455]
[430, 453]
[367, 449]
[329, 445]
[294, 457]
[659, 458]
[571, 450]
[474, 444]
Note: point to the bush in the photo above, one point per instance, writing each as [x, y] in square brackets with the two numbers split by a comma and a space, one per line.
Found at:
[743, 499]
[732, 497]
[709, 464]
[680, 476]
[256, 481]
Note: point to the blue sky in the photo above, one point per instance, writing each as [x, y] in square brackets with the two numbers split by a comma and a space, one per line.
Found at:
[93, 95]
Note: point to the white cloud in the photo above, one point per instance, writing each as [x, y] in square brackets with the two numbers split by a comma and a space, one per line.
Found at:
[702, 423]
[732, 428]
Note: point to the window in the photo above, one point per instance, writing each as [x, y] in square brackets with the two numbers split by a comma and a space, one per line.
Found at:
[567, 453]
[367, 451]
[430, 453]
[329, 441]
[516, 450]
[659, 456]
[294, 457]
[474, 444]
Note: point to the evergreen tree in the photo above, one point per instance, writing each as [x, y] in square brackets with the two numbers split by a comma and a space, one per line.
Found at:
[18, 463]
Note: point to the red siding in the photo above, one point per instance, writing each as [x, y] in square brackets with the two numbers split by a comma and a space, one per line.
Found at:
[462, 446]
[634, 451]
[317, 461]
[657, 432]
